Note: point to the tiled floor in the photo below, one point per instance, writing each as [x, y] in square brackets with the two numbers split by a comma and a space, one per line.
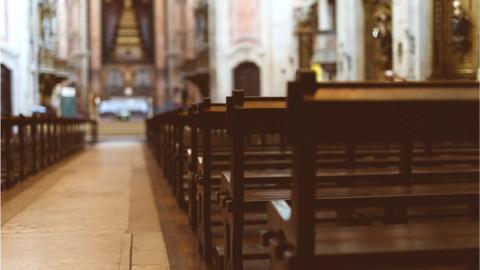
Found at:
[96, 210]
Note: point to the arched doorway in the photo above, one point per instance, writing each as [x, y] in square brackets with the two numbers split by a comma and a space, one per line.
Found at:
[6, 77]
[246, 76]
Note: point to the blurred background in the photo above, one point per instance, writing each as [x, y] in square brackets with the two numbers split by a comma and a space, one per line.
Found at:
[120, 61]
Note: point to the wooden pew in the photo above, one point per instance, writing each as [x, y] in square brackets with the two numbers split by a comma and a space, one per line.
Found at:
[263, 113]
[181, 142]
[297, 242]
[192, 159]
[210, 119]
[165, 135]
[168, 145]
[30, 144]
[170, 138]
[207, 122]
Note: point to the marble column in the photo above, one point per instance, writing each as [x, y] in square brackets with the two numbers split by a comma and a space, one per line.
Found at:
[95, 8]
[159, 28]
[412, 38]
[350, 40]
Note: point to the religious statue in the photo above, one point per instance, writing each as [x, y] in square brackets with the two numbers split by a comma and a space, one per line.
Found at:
[306, 27]
[381, 31]
[48, 23]
[460, 28]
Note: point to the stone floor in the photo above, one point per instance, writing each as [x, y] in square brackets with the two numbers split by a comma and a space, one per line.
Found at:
[105, 208]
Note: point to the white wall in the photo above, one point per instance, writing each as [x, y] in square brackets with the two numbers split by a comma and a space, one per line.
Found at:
[16, 52]
[350, 40]
[282, 46]
[412, 25]
[275, 52]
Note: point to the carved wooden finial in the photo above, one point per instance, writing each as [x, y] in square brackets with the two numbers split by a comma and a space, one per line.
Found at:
[238, 96]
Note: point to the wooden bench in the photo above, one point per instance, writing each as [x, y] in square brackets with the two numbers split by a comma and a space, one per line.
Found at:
[181, 143]
[206, 158]
[168, 136]
[223, 162]
[254, 115]
[297, 241]
[30, 144]
[205, 172]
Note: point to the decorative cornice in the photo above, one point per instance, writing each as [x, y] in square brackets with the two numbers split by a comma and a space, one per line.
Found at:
[9, 51]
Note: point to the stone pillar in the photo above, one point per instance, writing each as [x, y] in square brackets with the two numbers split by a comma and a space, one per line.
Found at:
[350, 40]
[159, 33]
[84, 80]
[325, 20]
[170, 48]
[95, 18]
[412, 38]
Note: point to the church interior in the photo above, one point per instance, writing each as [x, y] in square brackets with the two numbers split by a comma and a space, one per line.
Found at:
[240, 134]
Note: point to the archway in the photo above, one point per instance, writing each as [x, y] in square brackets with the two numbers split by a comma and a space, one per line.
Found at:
[246, 76]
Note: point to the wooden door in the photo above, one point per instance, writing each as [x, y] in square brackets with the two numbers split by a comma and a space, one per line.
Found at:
[246, 76]
[6, 78]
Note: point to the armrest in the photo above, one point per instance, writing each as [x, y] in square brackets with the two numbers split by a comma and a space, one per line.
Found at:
[276, 238]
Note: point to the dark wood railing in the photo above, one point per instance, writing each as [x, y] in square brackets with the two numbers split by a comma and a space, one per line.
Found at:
[30, 144]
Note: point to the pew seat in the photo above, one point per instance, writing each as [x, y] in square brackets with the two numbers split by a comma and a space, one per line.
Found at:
[365, 175]
[403, 245]
[224, 154]
[381, 196]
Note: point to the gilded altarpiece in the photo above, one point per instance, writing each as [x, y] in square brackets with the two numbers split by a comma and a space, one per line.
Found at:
[455, 39]
[378, 38]
[127, 48]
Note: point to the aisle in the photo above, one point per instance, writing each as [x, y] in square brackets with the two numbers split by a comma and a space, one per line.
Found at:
[97, 210]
